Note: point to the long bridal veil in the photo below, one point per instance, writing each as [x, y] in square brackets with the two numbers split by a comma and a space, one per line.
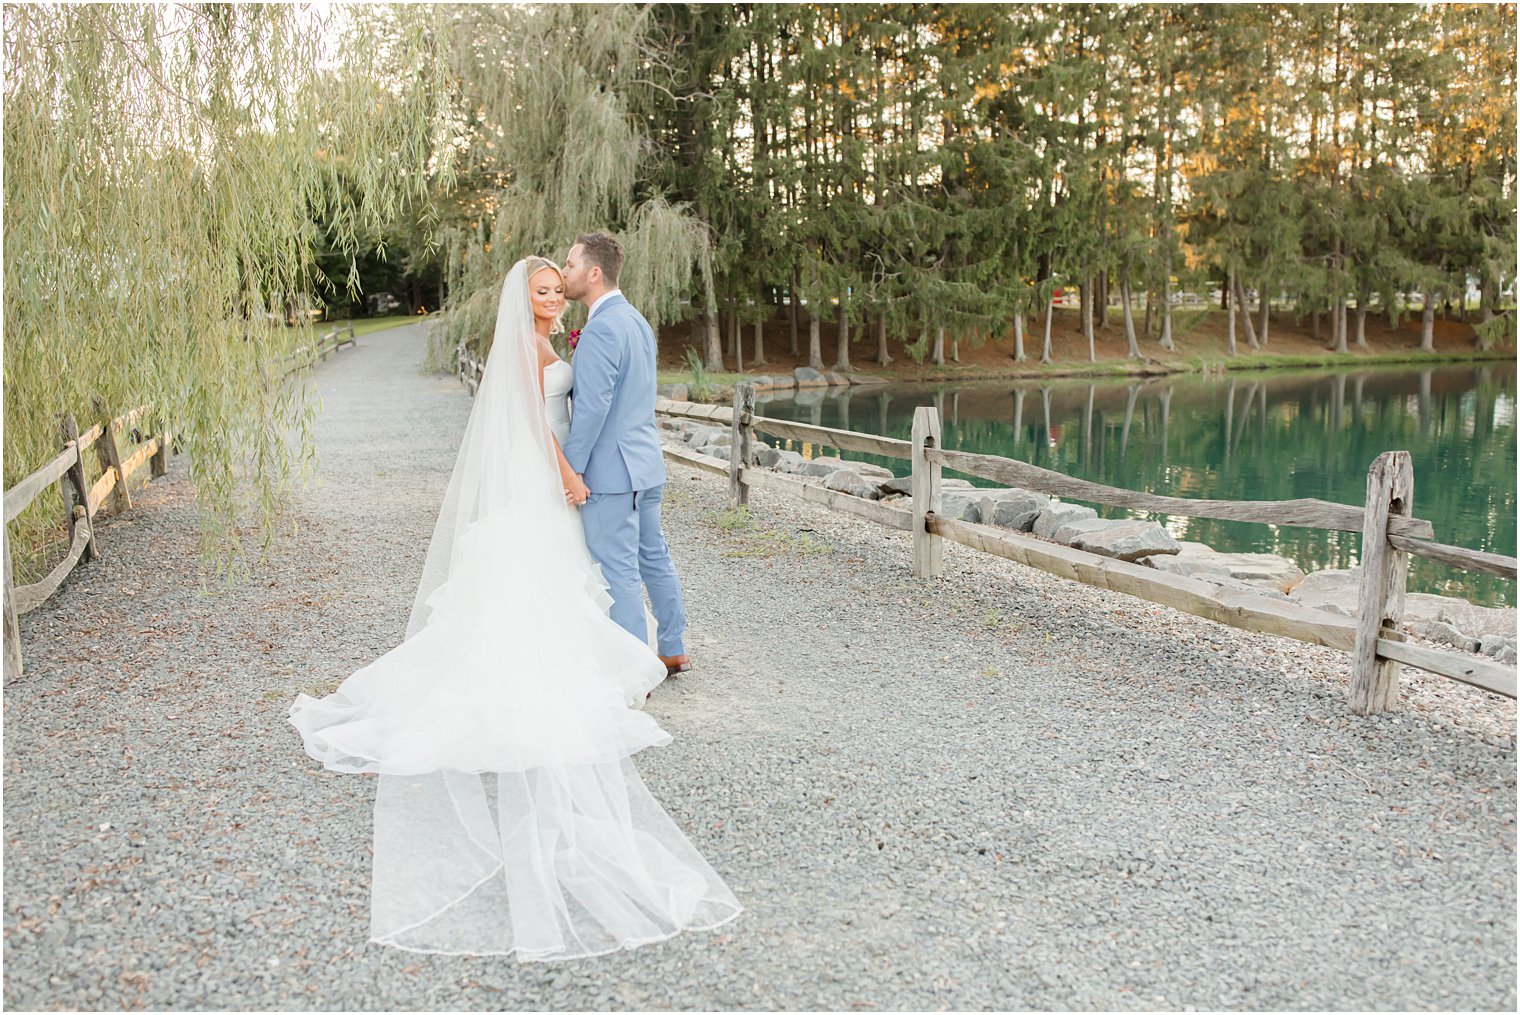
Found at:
[509, 816]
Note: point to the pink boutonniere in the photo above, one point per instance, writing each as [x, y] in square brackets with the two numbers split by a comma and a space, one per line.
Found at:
[575, 339]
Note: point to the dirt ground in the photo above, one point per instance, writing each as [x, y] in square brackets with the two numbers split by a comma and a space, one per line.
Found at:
[1198, 332]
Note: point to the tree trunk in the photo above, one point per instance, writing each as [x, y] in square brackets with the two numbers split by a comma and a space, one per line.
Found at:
[792, 312]
[815, 342]
[1229, 313]
[1087, 319]
[938, 358]
[1245, 313]
[714, 358]
[1129, 316]
[882, 357]
[1338, 324]
[1166, 316]
[1019, 355]
[1103, 300]
[1050, 313]
[1150, 301]
[1361, 320]
[1428, 323]
[955, 349]
[1266, 311]
[735, 341]
[1487, 297]
[762, 311]
[1314, 331]
[842, 348]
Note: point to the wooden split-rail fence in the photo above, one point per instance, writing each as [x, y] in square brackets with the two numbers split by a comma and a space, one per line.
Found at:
[319, 350]
[84, 500]
[1390, 534]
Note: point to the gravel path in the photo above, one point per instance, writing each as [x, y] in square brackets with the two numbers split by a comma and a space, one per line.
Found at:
[996, 790]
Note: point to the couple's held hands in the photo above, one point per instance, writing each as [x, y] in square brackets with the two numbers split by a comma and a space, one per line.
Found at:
[576, 491]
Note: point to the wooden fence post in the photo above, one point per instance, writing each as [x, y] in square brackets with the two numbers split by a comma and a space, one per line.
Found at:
[928, 549]
[12, 628]
[739, 446]
[159, 463]
[110, 458]
[1390, 491]
[75, 490]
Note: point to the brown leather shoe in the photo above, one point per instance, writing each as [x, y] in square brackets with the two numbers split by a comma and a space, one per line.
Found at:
[675, 664]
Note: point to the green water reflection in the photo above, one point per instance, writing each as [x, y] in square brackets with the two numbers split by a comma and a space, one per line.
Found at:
[1243, 437]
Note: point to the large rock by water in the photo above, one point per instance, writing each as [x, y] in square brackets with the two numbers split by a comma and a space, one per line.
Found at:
[1200, 559]
[789, 461]
[807, 377]
[1076, 528]
[1339, 591]
[1057, 515]
[822, 467]
[767, 457]
[904, 484]
[1012, 509]
[955, 505]
[853, 483]
[1126, 540]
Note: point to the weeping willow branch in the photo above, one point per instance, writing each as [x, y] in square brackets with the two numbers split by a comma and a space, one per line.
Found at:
[163, 169]
[550, 92]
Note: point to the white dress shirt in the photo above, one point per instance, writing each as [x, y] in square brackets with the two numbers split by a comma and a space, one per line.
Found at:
[600, 300]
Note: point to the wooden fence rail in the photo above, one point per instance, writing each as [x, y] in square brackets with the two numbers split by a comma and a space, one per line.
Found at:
[1389, 535]
[470, 368]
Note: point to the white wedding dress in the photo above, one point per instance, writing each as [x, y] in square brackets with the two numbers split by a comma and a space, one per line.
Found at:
[509, 816]
[559, 378]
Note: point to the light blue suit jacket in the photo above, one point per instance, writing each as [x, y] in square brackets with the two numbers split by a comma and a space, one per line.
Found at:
[613, 441]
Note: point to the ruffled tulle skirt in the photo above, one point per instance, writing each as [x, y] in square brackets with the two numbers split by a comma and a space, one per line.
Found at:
[509, 817]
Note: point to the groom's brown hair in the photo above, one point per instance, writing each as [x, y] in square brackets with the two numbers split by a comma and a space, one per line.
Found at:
[605, 252]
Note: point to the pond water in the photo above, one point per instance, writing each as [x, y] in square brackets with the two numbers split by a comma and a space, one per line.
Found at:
[1241, 436]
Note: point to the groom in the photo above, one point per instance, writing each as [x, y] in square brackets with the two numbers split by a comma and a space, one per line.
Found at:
[615, 449]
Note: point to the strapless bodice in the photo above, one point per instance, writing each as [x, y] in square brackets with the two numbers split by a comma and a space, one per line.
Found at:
[558, 378]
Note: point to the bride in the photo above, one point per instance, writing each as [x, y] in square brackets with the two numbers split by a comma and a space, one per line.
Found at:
[509, 816]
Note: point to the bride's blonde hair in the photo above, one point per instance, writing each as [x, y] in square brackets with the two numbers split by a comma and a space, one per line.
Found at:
[535, 264]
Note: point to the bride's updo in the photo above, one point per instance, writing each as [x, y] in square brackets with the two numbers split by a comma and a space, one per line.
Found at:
[535, 264]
